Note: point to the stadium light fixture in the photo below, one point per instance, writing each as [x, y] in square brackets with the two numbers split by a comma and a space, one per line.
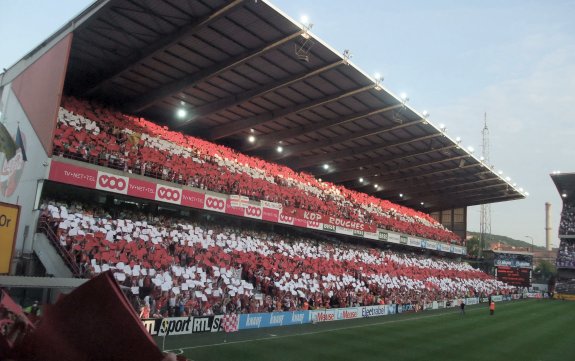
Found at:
[482, 158]
[422, 203]
[400, 195]
[458, 140]
[326, 166]
[404, 98]
[251, 139]
[360, 179]
[279, 149]
[508, 179]
[564, 195]
[527, 193]
[515, 184]
[375, 186]
[470, 149]
[443, 127]
[181, 113]
[520, 189]
[425, 114]
[304, 19]
[500, 172]
[378, 80]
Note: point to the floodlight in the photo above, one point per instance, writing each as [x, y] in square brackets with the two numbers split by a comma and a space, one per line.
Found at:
[181, 112]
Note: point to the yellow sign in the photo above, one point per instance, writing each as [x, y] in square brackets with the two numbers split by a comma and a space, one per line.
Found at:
[564, 296]
[8, 228]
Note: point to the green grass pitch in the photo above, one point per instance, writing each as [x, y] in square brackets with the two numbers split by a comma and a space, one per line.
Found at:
[538, 330]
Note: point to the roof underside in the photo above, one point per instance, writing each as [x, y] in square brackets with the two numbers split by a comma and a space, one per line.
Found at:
[565, 184]
[243, 68]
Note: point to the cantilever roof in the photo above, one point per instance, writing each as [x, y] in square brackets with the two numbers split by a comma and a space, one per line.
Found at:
[565, 183]
[243, 68]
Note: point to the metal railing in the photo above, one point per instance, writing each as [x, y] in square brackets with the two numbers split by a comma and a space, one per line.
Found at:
[44, 228]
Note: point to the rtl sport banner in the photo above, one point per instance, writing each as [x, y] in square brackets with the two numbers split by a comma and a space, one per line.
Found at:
[183, 325]
[69, 173]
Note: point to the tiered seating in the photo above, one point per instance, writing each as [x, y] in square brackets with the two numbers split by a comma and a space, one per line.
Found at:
[567, 223]
[180, 267]
[102, 136]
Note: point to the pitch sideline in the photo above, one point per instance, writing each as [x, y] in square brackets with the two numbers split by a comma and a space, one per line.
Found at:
[181, 349]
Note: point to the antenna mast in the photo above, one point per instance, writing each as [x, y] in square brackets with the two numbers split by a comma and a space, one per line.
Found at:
[485, 220]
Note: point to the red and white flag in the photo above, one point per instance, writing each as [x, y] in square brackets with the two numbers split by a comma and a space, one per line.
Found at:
[230, 322]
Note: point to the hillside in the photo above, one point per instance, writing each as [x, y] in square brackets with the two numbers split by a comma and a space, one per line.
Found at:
[494, 238]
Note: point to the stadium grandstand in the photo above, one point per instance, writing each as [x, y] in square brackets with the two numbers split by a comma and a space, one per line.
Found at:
[565, 287]
[226, 162]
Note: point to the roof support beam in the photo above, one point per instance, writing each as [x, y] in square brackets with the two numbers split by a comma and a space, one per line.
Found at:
[389, 172]
[424, 175]
[343, 172]
[313, 160]
[415, 188]
[235, 127]
[450, 200]
[414, 192]
[236, 99]
[272, 138]
[147, 100]
[164, 42]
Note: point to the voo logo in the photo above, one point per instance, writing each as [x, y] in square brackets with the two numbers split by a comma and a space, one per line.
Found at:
[112, 182]
[168, 194]
[285, 218]
[254, 211]
[313, 224]
[215, 203]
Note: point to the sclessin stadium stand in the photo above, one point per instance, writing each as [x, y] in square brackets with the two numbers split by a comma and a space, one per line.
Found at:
[565, 287]
[228, 162]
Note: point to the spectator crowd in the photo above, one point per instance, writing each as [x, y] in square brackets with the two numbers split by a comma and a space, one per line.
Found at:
[102, 136]
[567, 223]
[177, 267]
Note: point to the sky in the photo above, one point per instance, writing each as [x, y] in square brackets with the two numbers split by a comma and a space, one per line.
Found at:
[513, 59]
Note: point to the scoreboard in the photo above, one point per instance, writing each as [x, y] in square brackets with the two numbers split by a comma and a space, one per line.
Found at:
[519, 277]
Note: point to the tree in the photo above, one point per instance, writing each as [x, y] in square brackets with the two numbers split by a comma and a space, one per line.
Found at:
[472, 247]
[544, 270]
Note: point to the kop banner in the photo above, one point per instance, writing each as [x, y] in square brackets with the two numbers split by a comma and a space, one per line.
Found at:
[328, 220]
